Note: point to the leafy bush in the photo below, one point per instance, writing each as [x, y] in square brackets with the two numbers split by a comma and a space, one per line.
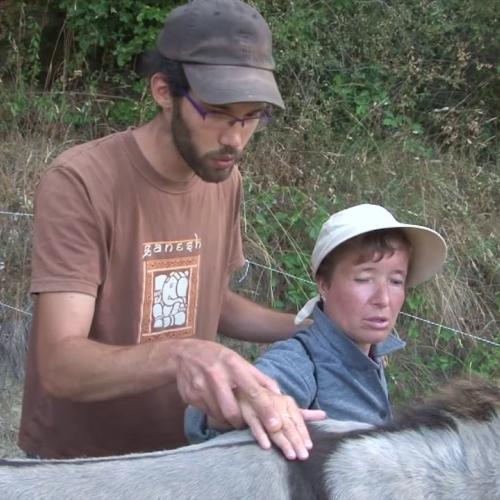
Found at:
[379, 69]
[390, 103]
[368, 69]
[107, 36]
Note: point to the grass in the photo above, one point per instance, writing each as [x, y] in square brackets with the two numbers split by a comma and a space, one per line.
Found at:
[293, 181]
[10, 413]
[292, 186]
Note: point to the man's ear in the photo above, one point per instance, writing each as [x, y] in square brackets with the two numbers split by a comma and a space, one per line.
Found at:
[160, 91]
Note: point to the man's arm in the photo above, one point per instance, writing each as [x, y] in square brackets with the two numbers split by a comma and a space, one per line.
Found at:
[208, 375]
[75, 367]
[243, 319]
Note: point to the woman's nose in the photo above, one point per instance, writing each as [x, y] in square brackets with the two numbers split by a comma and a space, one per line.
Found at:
[381, 294]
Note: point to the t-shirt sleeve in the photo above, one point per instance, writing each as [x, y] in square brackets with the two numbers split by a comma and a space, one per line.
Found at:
[69, 245]
[236, 258]
[288, 363]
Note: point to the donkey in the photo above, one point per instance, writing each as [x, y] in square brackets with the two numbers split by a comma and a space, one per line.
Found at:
[446, 448]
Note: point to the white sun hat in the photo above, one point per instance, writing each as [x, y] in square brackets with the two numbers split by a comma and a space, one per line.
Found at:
[428, 247]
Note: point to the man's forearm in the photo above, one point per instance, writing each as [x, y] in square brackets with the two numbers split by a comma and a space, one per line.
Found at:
[84, 370]
[243, 319]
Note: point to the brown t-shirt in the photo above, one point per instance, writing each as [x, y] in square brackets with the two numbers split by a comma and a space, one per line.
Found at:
[156, 255]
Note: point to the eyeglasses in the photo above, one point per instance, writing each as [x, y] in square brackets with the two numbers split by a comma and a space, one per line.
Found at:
[221, 119]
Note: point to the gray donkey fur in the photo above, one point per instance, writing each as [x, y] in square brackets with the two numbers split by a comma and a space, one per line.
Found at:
[447, 448]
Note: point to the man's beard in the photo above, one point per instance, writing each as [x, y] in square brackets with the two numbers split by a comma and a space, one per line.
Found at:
[199, 164]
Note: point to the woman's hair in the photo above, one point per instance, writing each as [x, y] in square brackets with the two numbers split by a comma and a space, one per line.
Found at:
[151, 62]
[374, 246]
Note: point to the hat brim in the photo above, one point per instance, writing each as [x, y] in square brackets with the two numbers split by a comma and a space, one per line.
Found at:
[428, 253]
[428, 249]
[218, 84]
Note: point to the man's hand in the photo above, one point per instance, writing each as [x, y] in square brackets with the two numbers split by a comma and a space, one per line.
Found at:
[230, 390]
[293, 438]
[207, 376]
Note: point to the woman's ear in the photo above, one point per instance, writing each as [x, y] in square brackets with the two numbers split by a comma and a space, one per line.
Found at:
[322, 287]
[160, 91]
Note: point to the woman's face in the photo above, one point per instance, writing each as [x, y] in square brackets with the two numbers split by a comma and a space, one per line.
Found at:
[364, 298]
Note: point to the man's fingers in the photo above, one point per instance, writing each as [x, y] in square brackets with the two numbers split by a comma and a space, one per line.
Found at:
[258, 432]
[206, 379]
[292, 438]
[203, 405]
[252, 376]
[229, 407]
[266, 381]
[283, 443]
[253, 422]
[195, 391]
[295, 430]
[303, 438]
[259, 398]
[291, 441]
[220, 425]
[313, 415]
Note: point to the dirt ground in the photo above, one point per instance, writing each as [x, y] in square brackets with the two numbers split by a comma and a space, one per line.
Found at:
[10, 413]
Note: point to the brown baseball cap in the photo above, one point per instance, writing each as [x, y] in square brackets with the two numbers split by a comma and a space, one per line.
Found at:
[225, 47]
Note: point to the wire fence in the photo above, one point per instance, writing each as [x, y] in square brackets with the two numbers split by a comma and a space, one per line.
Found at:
[417, 318]
[288, 275]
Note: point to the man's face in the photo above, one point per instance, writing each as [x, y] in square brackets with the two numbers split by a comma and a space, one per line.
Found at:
[364, 299]
[211, 152]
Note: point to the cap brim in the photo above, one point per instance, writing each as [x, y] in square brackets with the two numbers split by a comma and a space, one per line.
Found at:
[217, 84]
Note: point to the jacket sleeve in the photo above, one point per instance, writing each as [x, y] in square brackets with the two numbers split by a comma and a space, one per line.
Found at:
[196, 429]
[289, 364]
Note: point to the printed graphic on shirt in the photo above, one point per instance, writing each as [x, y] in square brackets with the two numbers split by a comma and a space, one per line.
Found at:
[171, 275]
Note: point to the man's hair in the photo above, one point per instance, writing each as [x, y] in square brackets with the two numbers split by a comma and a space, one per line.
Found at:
[151, 62]
[373, 246]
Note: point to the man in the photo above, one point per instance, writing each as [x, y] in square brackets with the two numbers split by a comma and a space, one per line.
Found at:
[135, 237]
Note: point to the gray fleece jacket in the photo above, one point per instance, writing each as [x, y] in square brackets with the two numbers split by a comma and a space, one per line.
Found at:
[320, 367]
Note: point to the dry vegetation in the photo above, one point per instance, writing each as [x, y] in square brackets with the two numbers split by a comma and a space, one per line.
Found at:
[410, 126]
[437, 192]
[286, 199]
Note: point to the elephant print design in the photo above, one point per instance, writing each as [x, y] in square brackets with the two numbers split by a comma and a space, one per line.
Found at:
[170, 299]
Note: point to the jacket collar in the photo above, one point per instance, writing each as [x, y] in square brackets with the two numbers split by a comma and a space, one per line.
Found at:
[331, 334]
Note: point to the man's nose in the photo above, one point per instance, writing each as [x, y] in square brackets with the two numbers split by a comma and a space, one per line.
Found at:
[233, 136]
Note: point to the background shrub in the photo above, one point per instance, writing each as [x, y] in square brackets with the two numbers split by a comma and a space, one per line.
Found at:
[394, 103]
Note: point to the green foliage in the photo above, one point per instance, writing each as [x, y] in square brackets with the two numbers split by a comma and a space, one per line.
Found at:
[370, 69]
[384, 69]
[387, 102]
[286, 220]
[424, 364]
[83, 54]
[415, 301]
[113, 34]
[20, 42]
